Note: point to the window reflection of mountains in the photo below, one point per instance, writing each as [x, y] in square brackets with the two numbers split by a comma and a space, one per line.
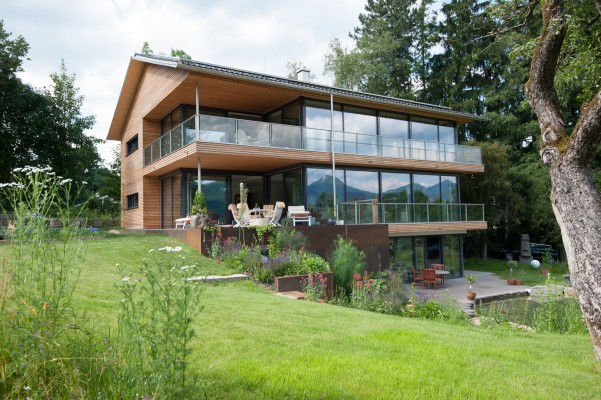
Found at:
[422, 194]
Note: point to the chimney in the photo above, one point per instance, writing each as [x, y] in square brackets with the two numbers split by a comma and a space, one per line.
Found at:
[303, 75]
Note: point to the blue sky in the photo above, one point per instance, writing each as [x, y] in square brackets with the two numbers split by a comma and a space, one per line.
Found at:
[97, 38]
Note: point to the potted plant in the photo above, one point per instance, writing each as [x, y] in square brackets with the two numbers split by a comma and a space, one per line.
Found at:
[199, 211]
[470, 279]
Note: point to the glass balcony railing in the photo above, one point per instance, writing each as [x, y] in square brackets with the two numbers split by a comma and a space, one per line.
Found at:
[254, 133]
[362, 212]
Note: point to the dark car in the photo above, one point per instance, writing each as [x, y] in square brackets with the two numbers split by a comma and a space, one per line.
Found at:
[538, 251]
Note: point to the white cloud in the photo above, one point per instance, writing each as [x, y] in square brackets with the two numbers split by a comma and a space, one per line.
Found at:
[97, 38]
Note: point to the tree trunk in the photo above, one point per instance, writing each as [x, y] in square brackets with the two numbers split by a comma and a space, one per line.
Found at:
[575, 199]
[577, 207]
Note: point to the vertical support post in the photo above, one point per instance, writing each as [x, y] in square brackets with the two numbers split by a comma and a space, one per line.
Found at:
[199, 180]
[374, 211]
[333, 155]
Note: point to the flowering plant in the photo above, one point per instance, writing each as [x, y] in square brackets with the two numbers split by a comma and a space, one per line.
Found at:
[314, 287]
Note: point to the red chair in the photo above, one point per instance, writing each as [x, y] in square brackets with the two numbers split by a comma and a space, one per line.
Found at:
[417, 276]
[430, 277]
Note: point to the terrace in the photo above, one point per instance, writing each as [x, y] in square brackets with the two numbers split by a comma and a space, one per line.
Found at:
[254, 133]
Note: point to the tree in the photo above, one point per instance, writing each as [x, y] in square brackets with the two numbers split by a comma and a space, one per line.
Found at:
[293, 66]
[575, 199]
[179, 53]
[391, 47]
[41, 127]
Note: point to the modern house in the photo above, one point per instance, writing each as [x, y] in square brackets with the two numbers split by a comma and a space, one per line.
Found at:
[395, 162]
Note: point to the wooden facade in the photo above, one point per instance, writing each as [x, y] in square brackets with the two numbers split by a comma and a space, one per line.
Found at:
[154, 86]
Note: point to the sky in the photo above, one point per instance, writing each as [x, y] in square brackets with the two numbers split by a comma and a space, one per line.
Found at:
[97, 38]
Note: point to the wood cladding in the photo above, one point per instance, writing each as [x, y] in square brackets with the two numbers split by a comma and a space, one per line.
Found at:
[233, 157]
[442, 228]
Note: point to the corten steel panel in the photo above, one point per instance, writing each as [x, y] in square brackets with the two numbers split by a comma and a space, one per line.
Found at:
[194, 239]
[372, 239]
[292, 283]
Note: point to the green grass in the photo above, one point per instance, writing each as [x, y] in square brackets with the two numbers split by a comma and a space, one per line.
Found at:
[252, 344]
[529, 276]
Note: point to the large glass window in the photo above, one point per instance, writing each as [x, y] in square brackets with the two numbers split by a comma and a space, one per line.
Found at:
[360, 187]
[254, 184]
[426, 190]
[446, 131]
[401, 252]
[319, 191]
[452, 254]
[396, 190]
[318, 123]
[424, 129]
[215, 191]
[394, 130]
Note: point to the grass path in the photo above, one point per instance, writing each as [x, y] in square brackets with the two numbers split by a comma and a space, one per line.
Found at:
[252, 344]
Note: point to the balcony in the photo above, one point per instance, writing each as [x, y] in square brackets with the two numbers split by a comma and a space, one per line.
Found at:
[255, 133]
[363, 212]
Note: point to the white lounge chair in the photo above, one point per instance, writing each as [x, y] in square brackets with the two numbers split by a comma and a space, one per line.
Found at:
[182, 222]
[277, 213]
[299, 214]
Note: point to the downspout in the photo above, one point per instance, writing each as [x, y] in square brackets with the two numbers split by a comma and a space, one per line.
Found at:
[333, 155]
[197, 126]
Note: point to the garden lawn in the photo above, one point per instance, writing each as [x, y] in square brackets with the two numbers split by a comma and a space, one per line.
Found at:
[252, 344]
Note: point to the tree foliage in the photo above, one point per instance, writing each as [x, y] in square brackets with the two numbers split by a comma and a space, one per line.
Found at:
[41, 127]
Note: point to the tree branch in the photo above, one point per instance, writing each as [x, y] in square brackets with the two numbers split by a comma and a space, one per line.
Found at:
[540, 89]
[587, 133]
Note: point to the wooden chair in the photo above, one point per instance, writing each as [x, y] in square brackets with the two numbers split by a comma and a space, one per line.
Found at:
[439, 267]
[430, 277]
[299, 214]
[269, 210]
[418, 276]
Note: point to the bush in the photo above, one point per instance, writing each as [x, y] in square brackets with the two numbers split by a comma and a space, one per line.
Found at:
[345, 261]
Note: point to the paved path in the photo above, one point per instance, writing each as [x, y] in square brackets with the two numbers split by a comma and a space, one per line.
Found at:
[487, 285]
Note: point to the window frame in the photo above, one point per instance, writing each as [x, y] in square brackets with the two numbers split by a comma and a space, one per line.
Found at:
[129, 143]
[132, 201]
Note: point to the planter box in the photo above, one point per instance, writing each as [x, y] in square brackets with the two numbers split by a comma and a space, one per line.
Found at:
[290, 283]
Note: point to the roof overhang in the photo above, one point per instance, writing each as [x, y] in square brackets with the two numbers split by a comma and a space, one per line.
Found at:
[234, 89]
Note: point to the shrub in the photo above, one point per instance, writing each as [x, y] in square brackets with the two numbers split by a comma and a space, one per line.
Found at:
[345, 261]
[287, 239]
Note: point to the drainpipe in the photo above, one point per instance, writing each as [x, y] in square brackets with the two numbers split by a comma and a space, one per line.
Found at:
[197, 126]
[196, 116]
[333, 155]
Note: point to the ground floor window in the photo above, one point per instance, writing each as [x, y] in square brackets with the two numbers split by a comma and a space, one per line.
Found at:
[423, 251]
[132, 200]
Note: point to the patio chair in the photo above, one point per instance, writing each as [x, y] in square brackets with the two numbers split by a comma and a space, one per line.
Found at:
[263, 137]
[269, 210]
[245, 219]
[277, 213]
[240, 136]
[418, 276]
[299, 214]
[241, 221]
[430, 277]
[182, 222]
